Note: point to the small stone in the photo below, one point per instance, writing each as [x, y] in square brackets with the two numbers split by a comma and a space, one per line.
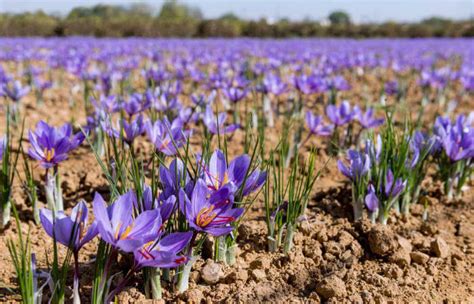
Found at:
[258, 275]
[405, 244]
[211, 273]
[381, 240]
[419, 257]
[440, 248]
[331, 286]
[401, 257]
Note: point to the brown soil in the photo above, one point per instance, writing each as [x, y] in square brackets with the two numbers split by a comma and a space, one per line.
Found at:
[333, 259]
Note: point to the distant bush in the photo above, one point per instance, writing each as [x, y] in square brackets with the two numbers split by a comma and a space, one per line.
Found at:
[179, 20]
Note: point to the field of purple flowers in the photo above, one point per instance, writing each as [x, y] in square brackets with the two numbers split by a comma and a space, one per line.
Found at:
[236, 170]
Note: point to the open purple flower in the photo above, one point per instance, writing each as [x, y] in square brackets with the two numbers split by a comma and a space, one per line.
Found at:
[216, 124]
[118, 227]
[340, 115]
[457, 139]
[359, 165]
[272, 84]
[69, 230]
[167, 137]
[135, 104]
[163, 252]
[316, 125]
[367, 119]
[51, 145]
[210, 212]
[217, 174]
[235, 94]
[15, 91]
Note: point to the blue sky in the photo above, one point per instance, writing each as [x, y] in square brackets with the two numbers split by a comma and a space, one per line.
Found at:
[360, 10]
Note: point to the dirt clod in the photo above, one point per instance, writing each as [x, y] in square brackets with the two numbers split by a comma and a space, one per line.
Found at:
[211, 273]
[419, 257]
[331, 286]
[440, 248]
[381, 240]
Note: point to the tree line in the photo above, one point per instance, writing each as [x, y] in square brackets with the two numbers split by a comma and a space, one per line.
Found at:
[179, 20]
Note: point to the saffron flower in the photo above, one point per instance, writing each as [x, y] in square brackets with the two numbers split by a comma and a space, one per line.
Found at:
[216, 124]
[371, 200]
[316, 125]
[173, 177]
[163, 252]
[217, 175]
[118, 227]
[210, 212]
[167, 137]
[15, 91]
[51, 145]
[367, 119]
[359, 165]
[391, 188]
[272, 84]
[128, 131]
[235, 94]
[340, 115]
[70, 230]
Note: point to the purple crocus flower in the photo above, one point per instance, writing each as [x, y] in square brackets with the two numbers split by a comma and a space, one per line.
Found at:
[166, 205]
[338, 83]
[163, 253]
[316, 125]
[235, 94]
[374, 149]
[359, 165]
[340, 115]
[42, 85]
[118, 227]
[210, 212]
[106, 104]
[393, 188]
[218, 175]
[215, 124]
[69, 230]
[128, 131]
[272, 84]
[371, 200]
[391, 87]
[167, 137]
[15, 91]
[173, 177]
[51, 145]
[367, 119]
[135, 104]
[421, 143]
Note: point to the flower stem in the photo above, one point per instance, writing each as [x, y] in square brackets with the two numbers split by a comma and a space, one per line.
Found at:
[77, 298]
[288, 239]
